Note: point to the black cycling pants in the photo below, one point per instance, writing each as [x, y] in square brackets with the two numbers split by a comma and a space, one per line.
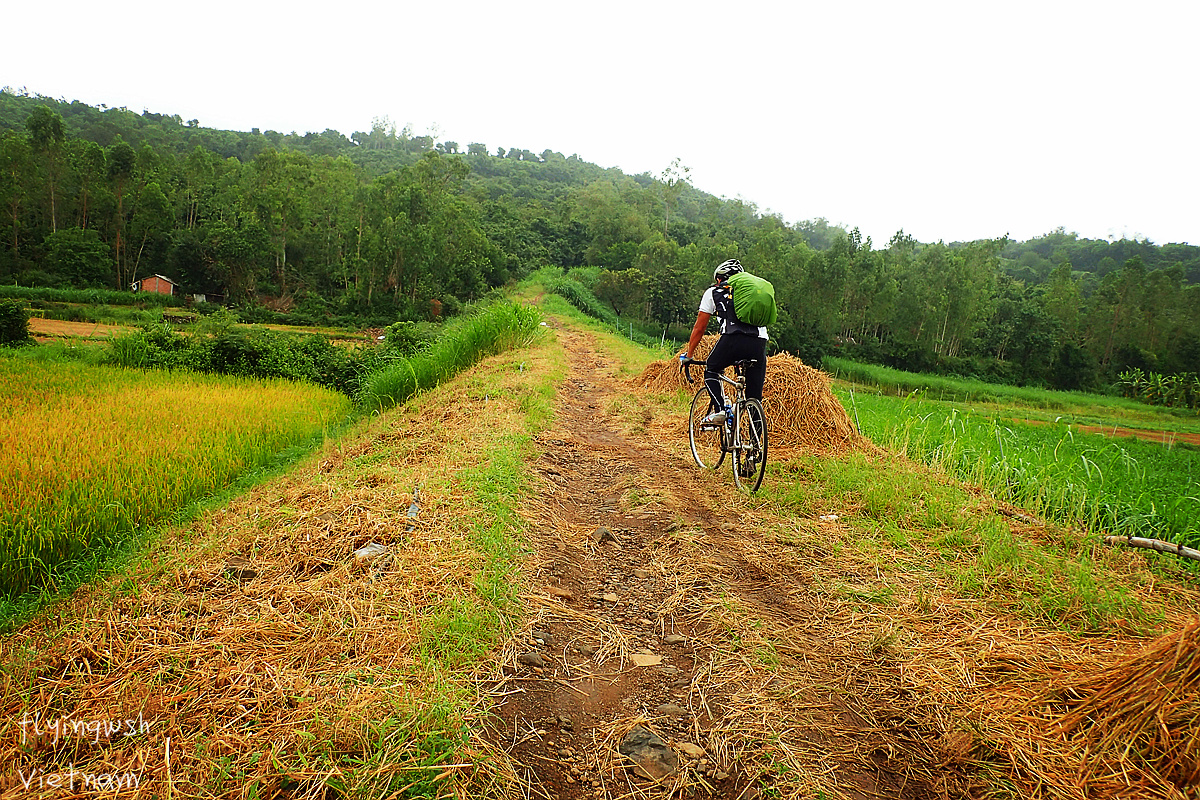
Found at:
[733, 347]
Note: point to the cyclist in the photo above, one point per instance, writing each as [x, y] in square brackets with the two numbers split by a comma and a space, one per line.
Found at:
[739, 341]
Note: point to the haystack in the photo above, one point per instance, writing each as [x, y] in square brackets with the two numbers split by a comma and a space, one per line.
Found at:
[1131, 728]
[801, 409]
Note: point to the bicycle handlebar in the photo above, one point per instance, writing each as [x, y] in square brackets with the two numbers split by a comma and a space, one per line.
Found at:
[686, 366]
[738, 366]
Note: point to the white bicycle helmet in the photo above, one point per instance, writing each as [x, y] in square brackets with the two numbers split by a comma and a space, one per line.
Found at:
[727, 269]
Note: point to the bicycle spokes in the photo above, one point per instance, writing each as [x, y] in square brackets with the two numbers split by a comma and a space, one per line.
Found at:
[709, 442]
[750, 447]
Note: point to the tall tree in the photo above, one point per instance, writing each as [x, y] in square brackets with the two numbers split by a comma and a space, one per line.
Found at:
[333, 217]
[151, 218]
[1115, 308]
[970, 294]
[198, 175]
[674, 180]
[120, 160]
[1062, 298]
[14, 179]
[47, 134]
[281, 190]
[90, 169]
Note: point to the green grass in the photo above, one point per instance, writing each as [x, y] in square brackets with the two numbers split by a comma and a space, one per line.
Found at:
[499, 327]
[466, 627]
[1103, 485]
[982, 433]
[900, 516]
[424, 739]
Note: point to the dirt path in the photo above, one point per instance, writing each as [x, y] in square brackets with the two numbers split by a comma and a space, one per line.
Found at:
[664, 608]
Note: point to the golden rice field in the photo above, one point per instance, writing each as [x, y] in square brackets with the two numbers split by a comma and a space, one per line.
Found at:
[89, 454]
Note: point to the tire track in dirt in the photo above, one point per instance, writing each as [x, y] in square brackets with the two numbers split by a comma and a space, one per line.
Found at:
[643, 577]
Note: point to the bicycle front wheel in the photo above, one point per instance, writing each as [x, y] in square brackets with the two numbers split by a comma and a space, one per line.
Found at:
[750, 446]
[706, 440]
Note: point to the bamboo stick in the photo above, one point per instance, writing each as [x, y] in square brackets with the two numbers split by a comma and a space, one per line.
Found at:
[1155, 544]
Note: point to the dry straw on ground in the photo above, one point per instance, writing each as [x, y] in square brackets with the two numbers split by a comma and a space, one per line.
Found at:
[1126, 728]
[1058, 716]
[801, 410]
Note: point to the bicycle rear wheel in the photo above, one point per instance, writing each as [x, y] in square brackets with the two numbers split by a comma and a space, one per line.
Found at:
[750, 452]
[707, 441]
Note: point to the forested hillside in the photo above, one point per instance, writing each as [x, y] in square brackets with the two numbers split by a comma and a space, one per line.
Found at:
[387, 225]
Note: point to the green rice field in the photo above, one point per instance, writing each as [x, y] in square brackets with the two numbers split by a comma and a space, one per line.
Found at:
[1045, 462]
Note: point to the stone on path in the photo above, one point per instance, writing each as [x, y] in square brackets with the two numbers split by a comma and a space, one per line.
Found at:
[602, 535]
[533, 659]
[652, 756]
[370, 553]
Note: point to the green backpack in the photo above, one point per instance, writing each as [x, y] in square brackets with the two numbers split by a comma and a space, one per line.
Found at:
[753, 299]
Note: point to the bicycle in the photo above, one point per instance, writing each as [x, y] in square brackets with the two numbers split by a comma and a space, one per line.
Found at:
[743, 432]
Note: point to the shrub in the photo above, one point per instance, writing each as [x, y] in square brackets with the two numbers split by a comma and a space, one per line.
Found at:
[407, 338]
[221, 348]
[14, 324]
[1073, 368]
[1177, 391]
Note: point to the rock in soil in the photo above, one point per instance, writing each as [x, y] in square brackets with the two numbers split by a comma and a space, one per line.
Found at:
[533, 659]
[652, 756]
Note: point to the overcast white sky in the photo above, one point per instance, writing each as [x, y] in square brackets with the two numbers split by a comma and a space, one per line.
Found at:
[951, 120]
